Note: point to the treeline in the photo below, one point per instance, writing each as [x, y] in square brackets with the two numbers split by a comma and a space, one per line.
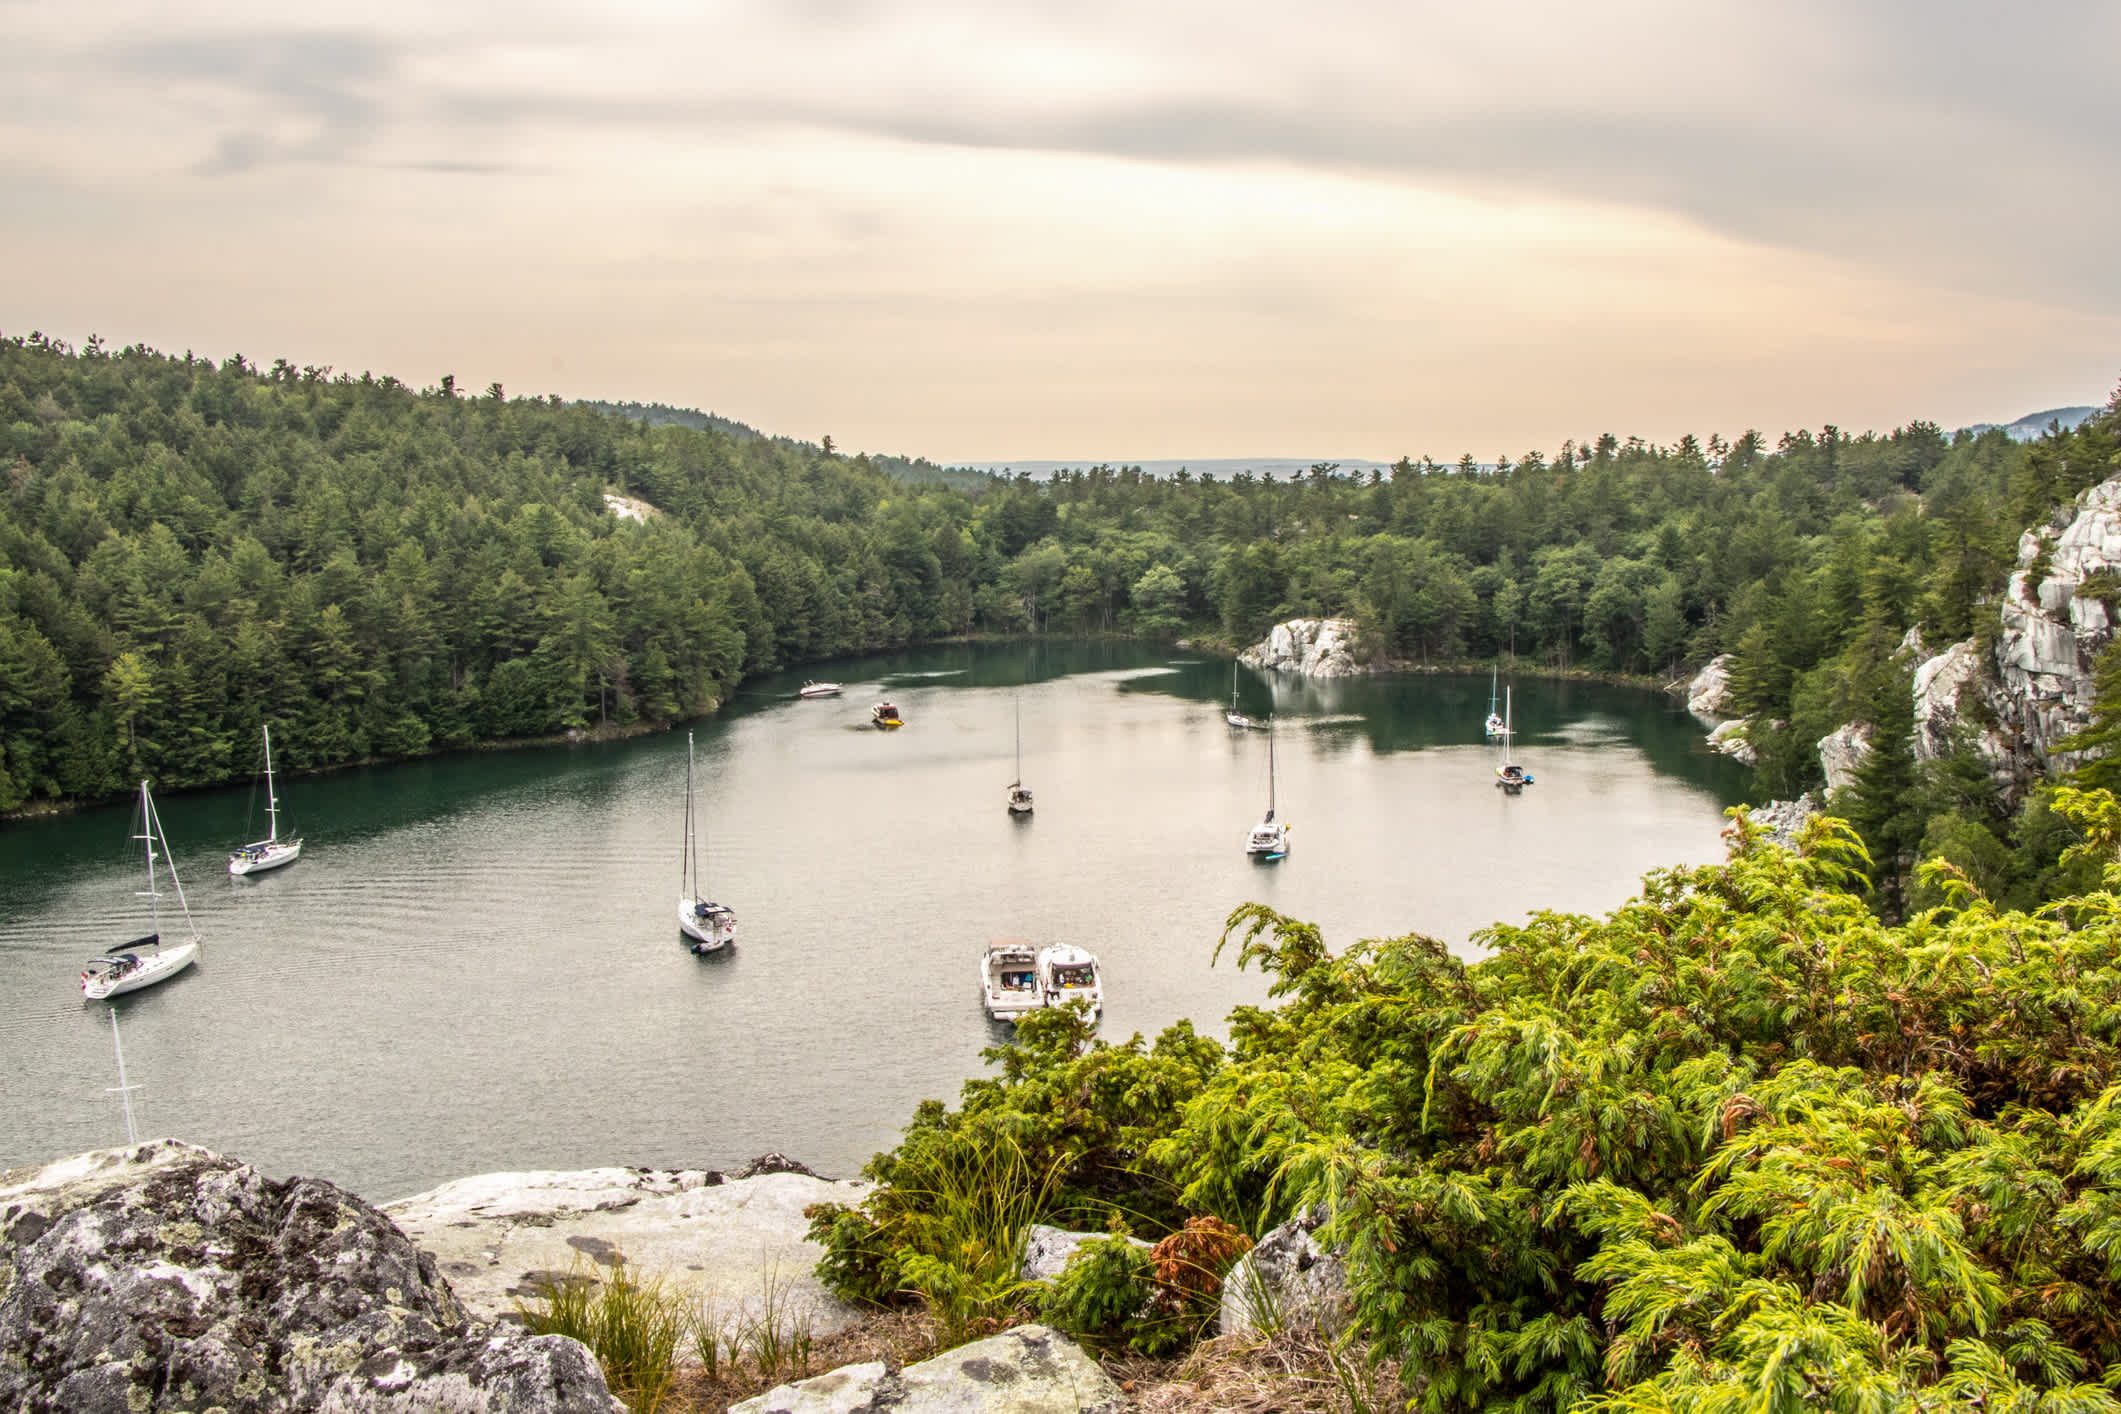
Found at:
[188, 549]
[1735, 1145]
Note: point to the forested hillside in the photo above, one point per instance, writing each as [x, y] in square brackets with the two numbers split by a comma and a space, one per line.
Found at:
[190, 548]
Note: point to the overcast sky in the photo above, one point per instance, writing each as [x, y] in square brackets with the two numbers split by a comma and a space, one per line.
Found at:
[977, 230]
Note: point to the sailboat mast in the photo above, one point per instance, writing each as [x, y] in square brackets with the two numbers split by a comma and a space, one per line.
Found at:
[692, 846]
[147, 836]
[272, 800]
[1019, 740]
[1270, 768]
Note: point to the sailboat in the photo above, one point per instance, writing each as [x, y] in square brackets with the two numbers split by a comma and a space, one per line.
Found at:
[1495, 726]
[1269, 839]
[1019, 793]
[710, 925]
[1234, 717]
[145, 961]
[272, 851]
[1509, 775]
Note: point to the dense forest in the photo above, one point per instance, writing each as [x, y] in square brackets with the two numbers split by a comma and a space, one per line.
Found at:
[1736, 1146]
[191, 548]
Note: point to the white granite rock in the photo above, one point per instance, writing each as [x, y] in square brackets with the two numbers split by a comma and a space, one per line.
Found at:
[1028, 1370]
[1781, 820]
[1318, 648]
[1286, 1281]
[1730, 739]
[2051, 634]
[494, 1235]
[1047, 1250]
[1709, 694]
[1841, 753]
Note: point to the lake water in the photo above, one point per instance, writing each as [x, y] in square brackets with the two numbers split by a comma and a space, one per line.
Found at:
[475, 964]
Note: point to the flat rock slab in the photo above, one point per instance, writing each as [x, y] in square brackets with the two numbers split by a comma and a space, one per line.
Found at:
[738, 1242]
[1029, 1370]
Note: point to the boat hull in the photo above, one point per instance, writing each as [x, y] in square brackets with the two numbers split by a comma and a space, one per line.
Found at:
[819, 689]
[155, 967]
[257, 858]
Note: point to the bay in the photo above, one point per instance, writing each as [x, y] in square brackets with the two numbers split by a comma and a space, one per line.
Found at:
[475, 964]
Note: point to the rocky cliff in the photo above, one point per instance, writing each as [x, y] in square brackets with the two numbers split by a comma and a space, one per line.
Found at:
[1318, 648]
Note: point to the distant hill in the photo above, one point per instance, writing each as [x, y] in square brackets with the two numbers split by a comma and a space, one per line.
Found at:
[911, 469]
[1221, 468]
[2034, 425]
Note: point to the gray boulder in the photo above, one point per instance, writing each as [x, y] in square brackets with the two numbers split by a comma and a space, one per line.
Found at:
[1285, 1282]
[161, 1275]
[744, 1242]
[1048, 1249]
[1780, 821]
[1028, 1370]
[1730, 738]
[1841, 753]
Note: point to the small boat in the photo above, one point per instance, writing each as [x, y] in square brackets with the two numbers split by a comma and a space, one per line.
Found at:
[885, 714]
[1019, 793]
[1269, 839]
[710, 925]
[272, 851]
[1234, 717]
[145, 961]
[1512, 777]
[1496, 725]
[1008, 978]
[1067, 973]
[819, 689]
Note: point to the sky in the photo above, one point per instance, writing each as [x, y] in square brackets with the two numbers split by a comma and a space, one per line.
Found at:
[1113, 230]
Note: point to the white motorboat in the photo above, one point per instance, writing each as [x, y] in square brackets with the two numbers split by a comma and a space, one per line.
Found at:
[819, 689]
[272, 851]
[145, 961]
[885, 715]
[1512, 777]
[1269, 839]
[1067, 973]
[1234, 717]
[710, 925]
[1008, 979]
[1019, 793]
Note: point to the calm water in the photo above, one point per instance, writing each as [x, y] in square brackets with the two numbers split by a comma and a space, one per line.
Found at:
[475, 965]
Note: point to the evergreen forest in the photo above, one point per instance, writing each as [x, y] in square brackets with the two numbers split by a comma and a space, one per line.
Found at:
[189, 549]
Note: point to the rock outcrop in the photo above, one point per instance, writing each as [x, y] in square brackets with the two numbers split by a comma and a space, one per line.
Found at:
[497, 1234]
[1780, 821]
[1730, 739]
[1028, 1370]
[1048, 1249]
[1709, 694]
[162, 1275]
[2051, 632]
[1286, 1281]
[1841, 753]
[1318, 648]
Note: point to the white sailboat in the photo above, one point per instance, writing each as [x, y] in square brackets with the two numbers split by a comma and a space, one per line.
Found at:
[1019, 793]
[710, 925]
[272, 851]
[1512, 777]
[1496, 725]
[1269, 839]
[1234, 717]
[145, 961]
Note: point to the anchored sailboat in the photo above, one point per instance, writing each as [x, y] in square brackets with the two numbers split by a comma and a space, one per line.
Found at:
[145, 961]
[272, 851]
[710, 925]
[1495, 726]
[1509, 775]
[1234, 717]
[1019, 793]
[1269, 839]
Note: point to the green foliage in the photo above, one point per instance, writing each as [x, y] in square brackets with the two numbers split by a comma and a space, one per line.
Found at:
[1736, 1145]
[633, 1327]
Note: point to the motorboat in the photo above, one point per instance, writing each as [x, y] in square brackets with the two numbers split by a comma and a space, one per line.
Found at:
[885, 714]
[1067, 973]
[1496, 725]
[272, 851]
[1008, 979]
[1019, 793]
[146, 961]
[819, 689]
[1512, 777]
[711, 926]
[1269, 839]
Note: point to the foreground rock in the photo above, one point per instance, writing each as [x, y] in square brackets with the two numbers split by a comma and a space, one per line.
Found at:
[1029, 1370]
[1318, 648]
[741, 1242]
[1048, 1250]
[163, 1276]
[1285, 1282]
